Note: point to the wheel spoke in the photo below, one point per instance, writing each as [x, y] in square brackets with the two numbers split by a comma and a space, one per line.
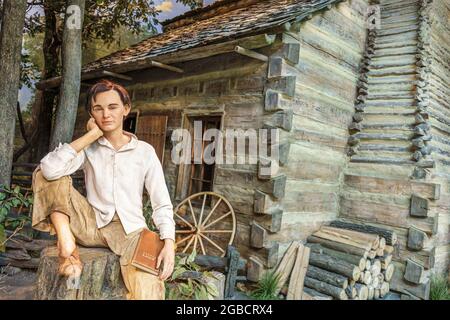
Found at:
[201, 245]
[189, 243]
[195, 242]
[184, 239]
[217, 220]
[212, 242]
[184, 231]
[185, 221]
[211, 212]
[203, 209]
[192, 212]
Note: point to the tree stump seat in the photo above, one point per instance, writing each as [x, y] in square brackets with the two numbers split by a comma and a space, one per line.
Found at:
[101, 277]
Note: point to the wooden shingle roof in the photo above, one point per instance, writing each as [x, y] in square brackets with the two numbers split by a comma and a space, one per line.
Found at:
[251, 19]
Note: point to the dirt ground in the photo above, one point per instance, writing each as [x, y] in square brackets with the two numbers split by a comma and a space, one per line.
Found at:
[19, 286]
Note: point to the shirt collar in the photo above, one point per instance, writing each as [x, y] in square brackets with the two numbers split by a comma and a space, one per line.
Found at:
[130, 145]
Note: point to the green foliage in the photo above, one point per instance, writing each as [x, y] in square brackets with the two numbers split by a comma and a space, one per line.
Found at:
[189, 289]
[266, 287]
[439, 289]
[11, 198]
[148, 211]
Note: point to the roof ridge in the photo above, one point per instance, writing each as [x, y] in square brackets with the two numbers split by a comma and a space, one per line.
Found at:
[203, 13]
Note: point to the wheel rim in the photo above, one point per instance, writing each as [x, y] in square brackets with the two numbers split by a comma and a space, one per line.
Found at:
[204, 221]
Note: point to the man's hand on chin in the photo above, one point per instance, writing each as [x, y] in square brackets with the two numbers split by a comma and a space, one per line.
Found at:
[167, 257]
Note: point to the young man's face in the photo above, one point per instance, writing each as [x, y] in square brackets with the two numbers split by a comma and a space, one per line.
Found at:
[109, 111]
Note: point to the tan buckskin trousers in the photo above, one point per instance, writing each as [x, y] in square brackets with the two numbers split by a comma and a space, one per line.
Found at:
[60, 195]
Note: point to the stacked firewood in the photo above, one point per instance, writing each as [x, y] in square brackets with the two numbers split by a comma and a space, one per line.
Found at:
[350, 261]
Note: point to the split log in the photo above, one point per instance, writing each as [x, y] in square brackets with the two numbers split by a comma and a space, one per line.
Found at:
[363, 238]
[380, 252]
[335, 265]
[384, 289]
[375, 282]
[315, 295]
[362, 291]
[326, 288]
[286, 264]
[366, 277]
[389, 272]
[385, 261]
[296, 283]
[332, 278]
[100, 279]
[375, 269]
[368, 265]
[382, 243]
[338, 246]
[390, 236]
[353, 259]
[389, 249]
[341, 238]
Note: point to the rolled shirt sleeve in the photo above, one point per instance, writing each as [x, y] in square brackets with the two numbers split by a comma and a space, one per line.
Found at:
[62, 161]
[160, 199]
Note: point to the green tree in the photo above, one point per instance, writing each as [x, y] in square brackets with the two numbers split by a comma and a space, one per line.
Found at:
[102, 19]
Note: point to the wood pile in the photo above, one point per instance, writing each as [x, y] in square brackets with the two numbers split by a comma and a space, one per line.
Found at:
[343, 261]
[351, 261]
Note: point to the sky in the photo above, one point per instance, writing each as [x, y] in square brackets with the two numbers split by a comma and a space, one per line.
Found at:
[169, 8]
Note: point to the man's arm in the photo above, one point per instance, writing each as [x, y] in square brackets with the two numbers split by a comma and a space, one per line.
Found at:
[67, 158]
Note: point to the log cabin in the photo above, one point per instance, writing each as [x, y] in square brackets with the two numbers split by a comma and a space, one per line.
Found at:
[361, 110]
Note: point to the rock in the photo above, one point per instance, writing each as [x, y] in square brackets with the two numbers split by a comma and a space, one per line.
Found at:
[101, 278]
[10, 270]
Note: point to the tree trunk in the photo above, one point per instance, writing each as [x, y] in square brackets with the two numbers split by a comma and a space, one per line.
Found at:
[101, 278]
[10, 55]
[71, 74]
[43, 109]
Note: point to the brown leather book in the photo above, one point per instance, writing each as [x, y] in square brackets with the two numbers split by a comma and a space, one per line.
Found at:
[147, 251]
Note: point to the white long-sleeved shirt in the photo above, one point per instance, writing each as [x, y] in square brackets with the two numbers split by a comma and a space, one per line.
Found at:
[115, 180]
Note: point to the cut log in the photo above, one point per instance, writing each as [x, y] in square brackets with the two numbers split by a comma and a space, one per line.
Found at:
[33, 263]
[380, 252]
[338, 246]
[351, 291]
[389, 272]
[371, 292]
[357, 236]
[326, 288]
[286, 264]
[385, 261]
[19, 254]
[390, 236]
[375, 269]
[368, 265]
[329, 263]
[375, 282]
[366, 277]
[315, 295]
[337, 237]
[362, 291]
[372, 254]
[296, 283]
[35, 245]
[376, 294]
[332, 278]
[353, 259]
[389, 249]
[384, 289]
[101, 277]
[382, 243]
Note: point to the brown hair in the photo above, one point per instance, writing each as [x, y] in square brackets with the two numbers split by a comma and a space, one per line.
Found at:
[104, 86]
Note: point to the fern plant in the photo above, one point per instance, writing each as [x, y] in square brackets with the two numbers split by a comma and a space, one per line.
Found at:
[191, 288]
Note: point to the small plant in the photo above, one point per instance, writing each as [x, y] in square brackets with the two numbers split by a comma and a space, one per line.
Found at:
[148, 211]
[191, 288]
[439, 289]
[12, 198]
[267, 287]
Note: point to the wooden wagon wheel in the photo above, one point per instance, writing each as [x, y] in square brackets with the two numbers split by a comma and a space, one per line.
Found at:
[204, 220]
